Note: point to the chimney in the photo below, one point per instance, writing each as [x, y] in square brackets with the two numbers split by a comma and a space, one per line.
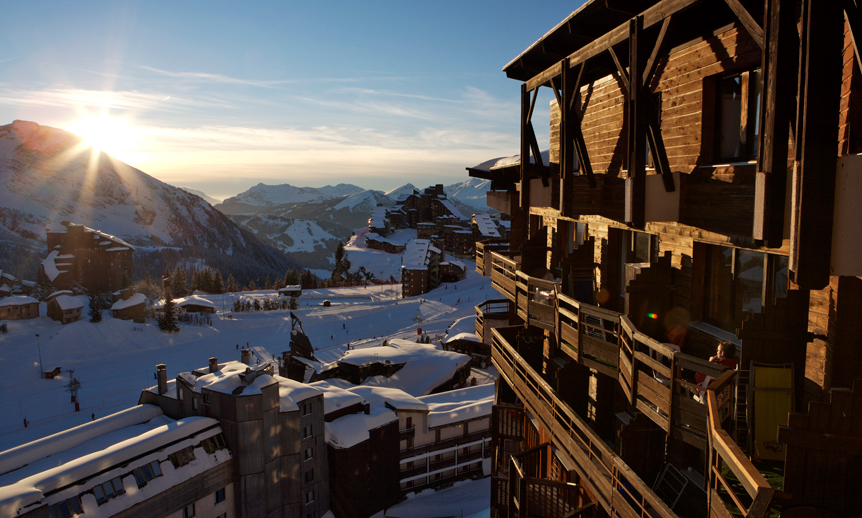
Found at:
[213, 365]
[246, 357]
[162, 374]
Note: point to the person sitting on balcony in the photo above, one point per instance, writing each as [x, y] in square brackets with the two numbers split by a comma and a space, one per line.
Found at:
[724, 355]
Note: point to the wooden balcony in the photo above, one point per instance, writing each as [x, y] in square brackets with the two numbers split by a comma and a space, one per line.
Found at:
[483, 253]
[615, 486]
[504, 275]
[495, 310]
[533, 494]
[649, 372]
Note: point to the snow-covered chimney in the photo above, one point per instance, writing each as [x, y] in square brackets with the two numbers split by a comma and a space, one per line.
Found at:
[162, 375]
[213, 365]
[246, 357]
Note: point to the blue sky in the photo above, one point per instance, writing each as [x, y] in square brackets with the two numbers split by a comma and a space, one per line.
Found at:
[220, 96]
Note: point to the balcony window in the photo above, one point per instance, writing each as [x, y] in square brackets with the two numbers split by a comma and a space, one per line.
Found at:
[737, 121]
[736, 281]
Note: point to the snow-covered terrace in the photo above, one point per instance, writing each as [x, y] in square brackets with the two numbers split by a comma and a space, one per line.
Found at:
[65, 464]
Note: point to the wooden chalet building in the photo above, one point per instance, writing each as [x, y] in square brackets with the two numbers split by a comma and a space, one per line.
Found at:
[702, 186]
[98, 261]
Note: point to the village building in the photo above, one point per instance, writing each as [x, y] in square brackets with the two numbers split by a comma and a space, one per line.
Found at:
[272, 426]
[64, 307]
[293, 290]
[682, 277]
[137, 462]
[77, 254]
[420, 268]
[132, 308]
[189, 304]
[18, 307]
[387, 443]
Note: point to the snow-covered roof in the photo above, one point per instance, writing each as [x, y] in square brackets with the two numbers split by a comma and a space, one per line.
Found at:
[463, 336]
[134, 300]
[426, 367]
[50, 266]
[486, 225]
[19, 300]
[191, 300]
[417, 253]
[5, 288]
[334, 397]
[508, 161]
[462, 325]
[378, 218]
[36, 473]
[463, 404]
[451, 208]
[227, 380]
[67, 302]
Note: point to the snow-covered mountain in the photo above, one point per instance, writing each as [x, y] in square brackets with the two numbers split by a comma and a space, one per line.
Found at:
[47, 175]
[307, 223]
[203, 195]
[261, 196]
[471, 192]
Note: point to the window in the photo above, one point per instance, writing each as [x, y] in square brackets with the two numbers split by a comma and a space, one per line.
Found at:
[308, 476]
[66, 508]
[219, 496]
[211, 444]
[146, 473]
[107, 490]
[309, 497]
[208, 398]
[182, 457]
[306, 431]
[737, 116]
[309, 454]
[195, 403]
[409, 423]
[189, 511]
[306, 408]
[736, 282]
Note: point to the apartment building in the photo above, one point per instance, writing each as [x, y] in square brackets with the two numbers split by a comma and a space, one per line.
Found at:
[698, 190]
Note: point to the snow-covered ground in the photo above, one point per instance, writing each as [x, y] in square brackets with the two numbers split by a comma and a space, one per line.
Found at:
[115, 359]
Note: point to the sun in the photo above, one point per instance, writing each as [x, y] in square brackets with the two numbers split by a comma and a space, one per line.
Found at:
[104, 132]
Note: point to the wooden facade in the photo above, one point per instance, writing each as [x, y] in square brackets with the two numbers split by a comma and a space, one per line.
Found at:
[701, 156]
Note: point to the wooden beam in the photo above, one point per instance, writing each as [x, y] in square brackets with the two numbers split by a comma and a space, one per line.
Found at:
[779, 66]
[542, 78]
[655, 14]
[635, 191]
[529, 116]
[657, 51]
[567, 149]
[851, 16]
[659, 154]
[624, 74]
[747, 21]
[525, 149]
[817, 135]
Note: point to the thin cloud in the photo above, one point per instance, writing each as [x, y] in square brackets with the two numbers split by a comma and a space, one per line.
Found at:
[204, 77]
[112, 99]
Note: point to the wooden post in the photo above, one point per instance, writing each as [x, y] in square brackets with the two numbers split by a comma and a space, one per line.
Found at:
[568, 115]
[635, 201]
[817, 138]
[525, 148]
[779, 67]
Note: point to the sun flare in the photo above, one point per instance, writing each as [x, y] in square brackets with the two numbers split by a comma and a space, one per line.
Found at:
[104, 132]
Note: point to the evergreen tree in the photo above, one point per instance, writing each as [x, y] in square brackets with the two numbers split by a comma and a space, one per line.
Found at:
[95, 309]
[252, 286]
[197, 284]
[293, 304]
[291, 277]
[179, 284]
[231, 284]
[43, 286]
[168, 319]
[218, 282]
[207, 282]
[267, 284]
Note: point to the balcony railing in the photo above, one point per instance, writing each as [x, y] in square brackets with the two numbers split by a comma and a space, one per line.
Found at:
[484, 250]
[407, 433]
[619, 490]
[724, 451]
[497, 309]
[461, 440]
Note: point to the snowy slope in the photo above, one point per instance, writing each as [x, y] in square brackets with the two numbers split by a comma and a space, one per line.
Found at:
[471, 192]
[203, 195]
[47, 175]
